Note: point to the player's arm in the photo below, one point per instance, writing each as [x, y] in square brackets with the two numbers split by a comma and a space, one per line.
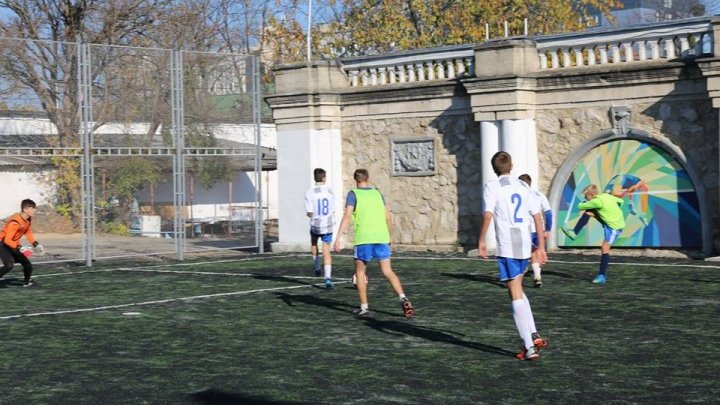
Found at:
[540, 251]
[11, 229]
[388, 219]
[30, 237]
[482, 246]
[344, 224]
[34, 242]
[308, 207]
[489, 206]
[595, 203]
[548, 222]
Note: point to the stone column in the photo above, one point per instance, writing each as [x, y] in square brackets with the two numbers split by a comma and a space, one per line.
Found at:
[489, 145]
[502, 99]
[307, 116]
[512, 141]
[531, 147]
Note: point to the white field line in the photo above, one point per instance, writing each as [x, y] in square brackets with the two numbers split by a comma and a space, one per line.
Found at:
[143, 303]
[201, 273]
[551, 261]
[149, 268]
[168, 265]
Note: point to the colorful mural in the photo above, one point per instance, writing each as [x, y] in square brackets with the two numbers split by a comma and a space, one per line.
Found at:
[661, 206]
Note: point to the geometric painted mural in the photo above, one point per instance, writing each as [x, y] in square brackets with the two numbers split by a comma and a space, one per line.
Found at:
[661, 206]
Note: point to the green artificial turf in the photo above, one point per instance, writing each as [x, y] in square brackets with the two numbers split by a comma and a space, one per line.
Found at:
[263, 333]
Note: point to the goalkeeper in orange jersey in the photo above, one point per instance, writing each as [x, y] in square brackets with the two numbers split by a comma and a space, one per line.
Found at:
[11, 251]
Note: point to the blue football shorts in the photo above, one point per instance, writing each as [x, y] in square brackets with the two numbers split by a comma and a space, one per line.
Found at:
[509, 268]
[325, 237]
[366, 253]
[611, 234]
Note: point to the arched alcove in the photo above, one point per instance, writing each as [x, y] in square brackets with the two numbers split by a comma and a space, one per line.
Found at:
[664, 199]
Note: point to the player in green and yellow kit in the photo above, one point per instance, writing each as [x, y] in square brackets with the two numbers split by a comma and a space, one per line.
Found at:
[365, 206]
[606, 209]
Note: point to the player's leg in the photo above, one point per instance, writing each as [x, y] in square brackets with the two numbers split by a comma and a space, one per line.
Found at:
[579, 225]
[327, 259]
[609, 238]
[512, 270]
[535, 263]
[382, 253]
[314, 251]
[27, 270]
[362, 256]
[7, 259]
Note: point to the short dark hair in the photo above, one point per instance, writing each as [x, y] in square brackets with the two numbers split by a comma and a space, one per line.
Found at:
[361, 175]
[319, 174]
[501, 163]
[526, 178]
[27, 203]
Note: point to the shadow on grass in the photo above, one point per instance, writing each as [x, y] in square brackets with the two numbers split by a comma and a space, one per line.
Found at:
[291, 299]
[494, 281]
[218, 397]
[434, 335]
[289, 280]
[556, 273]
[10, 282]
[399, 328]
[697, 280]
[476, 277]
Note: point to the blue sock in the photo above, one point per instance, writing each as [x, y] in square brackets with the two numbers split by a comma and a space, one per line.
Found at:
[580, 224]
[604, 263]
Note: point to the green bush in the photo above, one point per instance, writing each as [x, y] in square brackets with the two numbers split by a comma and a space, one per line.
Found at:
[114, 228]
[64, 210]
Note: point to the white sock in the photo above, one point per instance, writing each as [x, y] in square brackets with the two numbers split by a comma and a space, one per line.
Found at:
[328, 270]
[536, 270]
[402, 297]
[519, 309]
[363, 307]
[528, 315]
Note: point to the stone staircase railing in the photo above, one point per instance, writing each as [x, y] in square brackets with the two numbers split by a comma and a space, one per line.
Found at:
[648, 42]
[413, 66]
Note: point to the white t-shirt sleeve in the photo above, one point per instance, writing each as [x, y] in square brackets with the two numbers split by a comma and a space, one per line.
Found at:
[534, 203]
[545, 206]
[308, 202]
[489, 199]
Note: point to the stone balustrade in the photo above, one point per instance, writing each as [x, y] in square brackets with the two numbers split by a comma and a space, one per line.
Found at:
[413, 66]
[663, 41]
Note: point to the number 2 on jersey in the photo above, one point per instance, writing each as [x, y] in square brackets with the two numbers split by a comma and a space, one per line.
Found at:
[517, 200]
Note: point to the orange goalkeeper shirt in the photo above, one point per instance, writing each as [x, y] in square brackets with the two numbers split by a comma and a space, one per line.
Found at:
[14, 229]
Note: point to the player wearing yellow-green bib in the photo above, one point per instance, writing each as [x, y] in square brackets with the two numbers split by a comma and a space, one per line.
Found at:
[366, 208]
[606, 209]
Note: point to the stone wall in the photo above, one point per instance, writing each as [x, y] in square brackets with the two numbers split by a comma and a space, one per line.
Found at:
[444, 210]
[438, 211]
[690, 125]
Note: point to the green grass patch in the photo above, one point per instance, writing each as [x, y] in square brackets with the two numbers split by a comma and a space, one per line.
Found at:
[265, 331]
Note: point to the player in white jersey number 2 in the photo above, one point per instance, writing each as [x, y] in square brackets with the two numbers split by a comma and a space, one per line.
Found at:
[508, 202]
[319, 207]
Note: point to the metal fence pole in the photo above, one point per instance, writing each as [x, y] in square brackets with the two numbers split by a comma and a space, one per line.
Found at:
[179, 158]
[86, 166]
[257, 120]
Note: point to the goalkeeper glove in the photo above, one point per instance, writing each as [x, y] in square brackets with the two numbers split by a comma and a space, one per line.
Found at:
[39, 247]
